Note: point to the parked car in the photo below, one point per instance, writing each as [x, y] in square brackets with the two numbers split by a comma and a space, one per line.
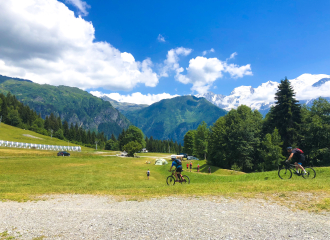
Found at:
[185, 155]
[63, 153]
[192, 158]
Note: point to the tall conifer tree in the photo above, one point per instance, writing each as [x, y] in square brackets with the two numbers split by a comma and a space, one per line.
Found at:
[286, 115]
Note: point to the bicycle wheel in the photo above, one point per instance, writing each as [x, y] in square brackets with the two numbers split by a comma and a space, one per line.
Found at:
[284, 173]
[170, 180]
[186, 179]
[310, 173]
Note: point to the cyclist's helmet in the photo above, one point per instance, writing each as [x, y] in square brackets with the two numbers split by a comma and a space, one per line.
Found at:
[289, 148]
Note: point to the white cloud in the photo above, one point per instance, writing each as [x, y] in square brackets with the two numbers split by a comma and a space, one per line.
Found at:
[42, 40]
[81, 5]
[208, 51]
[263, 95]
[137, 97]
[232, 56]
[172, 61]
[237, 72]
[202, 72]
[160, 38]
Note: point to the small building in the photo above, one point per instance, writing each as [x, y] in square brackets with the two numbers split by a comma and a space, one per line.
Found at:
[144, 150]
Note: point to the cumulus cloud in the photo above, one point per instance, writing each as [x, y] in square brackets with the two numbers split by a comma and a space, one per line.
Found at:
[137, 97]
[42, 40]
[172, 60]
[81, 5]
[208, 51]
[202, 72]
[160, 38]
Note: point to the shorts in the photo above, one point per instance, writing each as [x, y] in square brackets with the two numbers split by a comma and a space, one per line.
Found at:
[148, 174]
[301, 159]
[190, 167]
[179, 169]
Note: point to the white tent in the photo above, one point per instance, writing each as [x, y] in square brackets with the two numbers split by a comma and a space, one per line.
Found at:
[161, 161]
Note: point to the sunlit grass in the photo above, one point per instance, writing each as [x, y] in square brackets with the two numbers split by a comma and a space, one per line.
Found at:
[10, 133]
[27, 175]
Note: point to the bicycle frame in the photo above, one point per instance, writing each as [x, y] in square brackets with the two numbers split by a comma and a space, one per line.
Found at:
[293, 167]
[179, 175]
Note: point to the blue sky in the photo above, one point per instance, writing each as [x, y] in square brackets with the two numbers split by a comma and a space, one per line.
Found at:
[278, 38]
[273, 39]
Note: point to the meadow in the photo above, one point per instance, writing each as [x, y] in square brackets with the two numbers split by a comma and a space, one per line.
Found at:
[27, 174]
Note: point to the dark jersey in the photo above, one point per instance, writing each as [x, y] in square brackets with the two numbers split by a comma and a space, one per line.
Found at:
[297, 155]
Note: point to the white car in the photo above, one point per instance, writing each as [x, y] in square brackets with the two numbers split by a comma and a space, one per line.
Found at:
[192, 158]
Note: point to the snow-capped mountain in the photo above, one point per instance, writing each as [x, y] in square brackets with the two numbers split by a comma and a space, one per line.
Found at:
[307, 88]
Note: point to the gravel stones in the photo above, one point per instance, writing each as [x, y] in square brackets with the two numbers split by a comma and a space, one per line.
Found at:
[101, 217]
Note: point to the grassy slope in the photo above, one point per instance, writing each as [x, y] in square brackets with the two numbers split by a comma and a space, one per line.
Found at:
[172, 118]
[9, 133]
[25, 174]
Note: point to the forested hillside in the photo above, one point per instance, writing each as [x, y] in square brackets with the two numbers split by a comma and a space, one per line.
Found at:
[72, 104]
[243, 140]
[15, 113]
[172, 118]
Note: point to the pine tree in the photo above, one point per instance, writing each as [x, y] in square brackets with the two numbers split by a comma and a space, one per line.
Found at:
[113, 138]
[66, 129]
[285, 115]
[188, 142]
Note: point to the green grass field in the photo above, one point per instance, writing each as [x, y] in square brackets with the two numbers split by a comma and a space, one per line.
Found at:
[9, 133]
[27, 174]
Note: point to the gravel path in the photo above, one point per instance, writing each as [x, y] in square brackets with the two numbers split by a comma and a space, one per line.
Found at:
[101, 217]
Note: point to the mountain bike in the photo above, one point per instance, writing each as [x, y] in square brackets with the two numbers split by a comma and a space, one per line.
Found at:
[182, 179]
[285, 171]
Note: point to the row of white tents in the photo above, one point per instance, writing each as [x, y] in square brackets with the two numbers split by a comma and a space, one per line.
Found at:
[39, 146]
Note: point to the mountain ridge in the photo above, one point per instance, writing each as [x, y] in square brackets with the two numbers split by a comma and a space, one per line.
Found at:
[123, 107]
[72, 104]
[172, 118]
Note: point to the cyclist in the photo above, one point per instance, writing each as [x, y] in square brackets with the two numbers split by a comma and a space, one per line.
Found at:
[298, 156]
[176, 163]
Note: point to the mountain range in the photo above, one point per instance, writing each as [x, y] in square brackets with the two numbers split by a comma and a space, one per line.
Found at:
[72, 104]
[166, 119]
[124, 107]
[307, 88]
[172, 118]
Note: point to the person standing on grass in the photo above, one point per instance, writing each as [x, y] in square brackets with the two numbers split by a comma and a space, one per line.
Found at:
[187, 166]
[148, 174]
[190, 166]
[198, 167]
[209, 170]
